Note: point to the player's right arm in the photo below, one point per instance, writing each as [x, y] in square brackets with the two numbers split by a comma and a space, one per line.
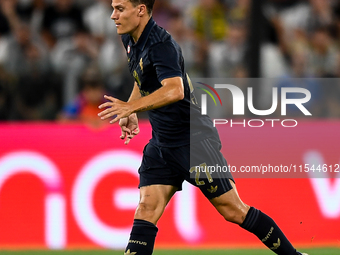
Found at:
[129, 125]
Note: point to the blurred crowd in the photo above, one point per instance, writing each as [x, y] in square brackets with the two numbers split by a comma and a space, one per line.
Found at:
[59, 57]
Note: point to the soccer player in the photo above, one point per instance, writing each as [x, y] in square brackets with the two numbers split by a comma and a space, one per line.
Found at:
[164, 90]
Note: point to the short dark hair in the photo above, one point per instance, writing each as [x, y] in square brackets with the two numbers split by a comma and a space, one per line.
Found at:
[148, 3]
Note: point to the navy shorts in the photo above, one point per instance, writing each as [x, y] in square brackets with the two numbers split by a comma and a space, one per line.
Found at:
[200, 163]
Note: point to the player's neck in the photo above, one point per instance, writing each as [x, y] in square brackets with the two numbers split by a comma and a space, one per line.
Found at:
[140, 28]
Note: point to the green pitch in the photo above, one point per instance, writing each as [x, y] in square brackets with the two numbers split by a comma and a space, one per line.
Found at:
[316, 251]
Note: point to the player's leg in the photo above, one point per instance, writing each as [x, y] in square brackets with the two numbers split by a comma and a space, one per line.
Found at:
[157, 183]
[230, 206]
[219, 187]
[153, 200]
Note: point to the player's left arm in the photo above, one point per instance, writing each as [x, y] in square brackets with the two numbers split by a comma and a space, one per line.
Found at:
[172, 90]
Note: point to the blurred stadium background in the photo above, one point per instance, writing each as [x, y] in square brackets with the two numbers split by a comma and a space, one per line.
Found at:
[66, 180]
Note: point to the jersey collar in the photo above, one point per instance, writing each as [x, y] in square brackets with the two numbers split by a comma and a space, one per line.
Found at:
[140, 44]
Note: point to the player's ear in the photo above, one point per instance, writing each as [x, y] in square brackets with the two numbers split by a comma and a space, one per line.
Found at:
[142, 10]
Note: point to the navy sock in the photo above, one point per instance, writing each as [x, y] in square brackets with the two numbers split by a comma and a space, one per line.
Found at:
[268, 232]
[142, 238]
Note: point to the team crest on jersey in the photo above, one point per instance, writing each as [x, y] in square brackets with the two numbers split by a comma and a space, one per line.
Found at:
[128, 49]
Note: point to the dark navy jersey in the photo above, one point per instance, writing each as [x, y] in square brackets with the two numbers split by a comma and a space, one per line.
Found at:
[155, 57]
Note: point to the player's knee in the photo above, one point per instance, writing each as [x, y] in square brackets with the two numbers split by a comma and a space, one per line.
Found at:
[146, 208]
[148, 211]
[232, 213]
[233, 216]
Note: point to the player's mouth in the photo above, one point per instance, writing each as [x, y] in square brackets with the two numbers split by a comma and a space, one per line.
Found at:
[118, 24]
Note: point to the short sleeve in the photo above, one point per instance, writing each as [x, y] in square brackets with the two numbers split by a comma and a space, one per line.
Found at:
[165, 58]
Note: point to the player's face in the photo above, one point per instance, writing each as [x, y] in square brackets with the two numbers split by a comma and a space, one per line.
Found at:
[126, 16]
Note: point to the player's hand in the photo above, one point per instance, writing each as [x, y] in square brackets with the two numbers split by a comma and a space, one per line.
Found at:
[129, 126]
[114, 108]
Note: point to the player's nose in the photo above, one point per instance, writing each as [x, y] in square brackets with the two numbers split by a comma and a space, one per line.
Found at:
[114, 15]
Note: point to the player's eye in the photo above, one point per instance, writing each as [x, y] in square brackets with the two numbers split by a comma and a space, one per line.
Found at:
[120, 9]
